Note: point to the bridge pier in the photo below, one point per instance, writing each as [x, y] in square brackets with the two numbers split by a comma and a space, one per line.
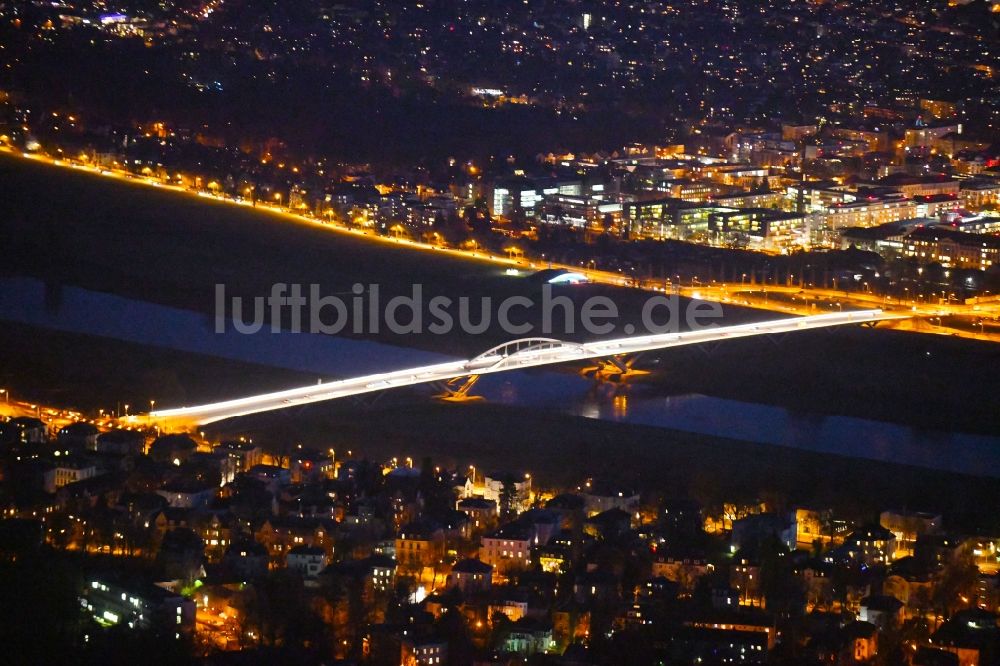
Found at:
[614, 368]
[457, 389]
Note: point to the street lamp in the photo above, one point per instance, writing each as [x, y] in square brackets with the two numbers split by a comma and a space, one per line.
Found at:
[126, 409]
[6, 395]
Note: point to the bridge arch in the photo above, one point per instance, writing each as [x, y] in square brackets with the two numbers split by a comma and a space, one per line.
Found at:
[507, 352]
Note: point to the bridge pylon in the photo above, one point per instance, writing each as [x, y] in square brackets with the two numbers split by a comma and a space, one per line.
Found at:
[458, 390]
[614, 368]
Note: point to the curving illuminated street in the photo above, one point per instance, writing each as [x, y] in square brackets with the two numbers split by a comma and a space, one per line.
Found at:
[797, 300]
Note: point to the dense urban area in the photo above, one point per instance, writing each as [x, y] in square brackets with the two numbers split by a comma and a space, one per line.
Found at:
[802, 157]
[308, 554]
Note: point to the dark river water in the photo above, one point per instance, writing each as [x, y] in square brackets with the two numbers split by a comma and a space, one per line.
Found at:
[70, 309]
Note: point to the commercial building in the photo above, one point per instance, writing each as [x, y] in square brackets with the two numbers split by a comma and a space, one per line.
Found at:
[924, 136]
[663, 218]
[952, 248]
[915, 186]
[584, 212]
[523, 195]
[771, 199]
[885, 239]
[868, 213]
[758, 228]
[979, 193]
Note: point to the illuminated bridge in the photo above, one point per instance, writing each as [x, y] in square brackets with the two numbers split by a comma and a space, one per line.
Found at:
[514, 355]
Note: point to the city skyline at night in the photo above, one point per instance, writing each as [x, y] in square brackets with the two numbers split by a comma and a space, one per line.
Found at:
[469, 332]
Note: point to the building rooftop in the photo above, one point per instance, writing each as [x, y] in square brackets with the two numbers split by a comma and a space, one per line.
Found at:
[311, 551]
[870, 533]
[472, 566]
[936, 234]
[882, 602]
[474, 503]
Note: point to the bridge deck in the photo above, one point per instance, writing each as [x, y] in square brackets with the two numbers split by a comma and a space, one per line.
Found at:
[529, 353]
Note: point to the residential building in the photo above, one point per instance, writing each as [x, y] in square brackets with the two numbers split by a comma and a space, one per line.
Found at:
[907, 526]
[519, 487]
[29, 429]
[187, 494]
[308, 465]
[307, 560]
[138, 606]
[508, 548]
[246, 558]
[483, 513]
[120, 442]
[68, 470]
[419, 544]
[682, 567]
[868, 545]
[882, 610]
[471, 575]
[280, 534]
[529, 636]
[423, 652]
[245, 455]
[599, 498]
